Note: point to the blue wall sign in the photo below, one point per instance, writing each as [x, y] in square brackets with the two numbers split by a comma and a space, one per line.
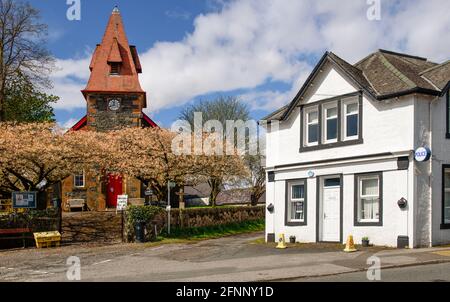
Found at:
[24, 200]
[422, 154]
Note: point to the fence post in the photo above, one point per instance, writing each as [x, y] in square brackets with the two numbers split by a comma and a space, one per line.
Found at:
[122, 219]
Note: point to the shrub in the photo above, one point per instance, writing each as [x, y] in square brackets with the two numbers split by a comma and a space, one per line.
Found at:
[146, 214]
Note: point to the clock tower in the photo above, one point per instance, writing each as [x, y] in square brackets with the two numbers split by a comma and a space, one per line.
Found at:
[114, 100]
[114, 95]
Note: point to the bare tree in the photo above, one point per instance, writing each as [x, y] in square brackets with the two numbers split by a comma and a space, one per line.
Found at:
[22, 47]
[221, 109]
[256, 179]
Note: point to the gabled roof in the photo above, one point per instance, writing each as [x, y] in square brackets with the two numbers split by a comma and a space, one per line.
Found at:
[382, 75]
[114, 48]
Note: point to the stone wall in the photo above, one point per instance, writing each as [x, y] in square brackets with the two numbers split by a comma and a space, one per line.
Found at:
[100, 118]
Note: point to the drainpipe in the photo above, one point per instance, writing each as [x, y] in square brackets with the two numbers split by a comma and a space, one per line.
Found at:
[430, 175]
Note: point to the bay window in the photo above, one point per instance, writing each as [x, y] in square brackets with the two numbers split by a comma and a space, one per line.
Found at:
[368, 201]
[332, 122]
[296, 203]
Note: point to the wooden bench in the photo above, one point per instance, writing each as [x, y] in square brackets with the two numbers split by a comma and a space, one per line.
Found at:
[76, 204]
[23, 233]
[136, 201]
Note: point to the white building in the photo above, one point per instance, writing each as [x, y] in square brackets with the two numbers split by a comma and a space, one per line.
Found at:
[340, 156]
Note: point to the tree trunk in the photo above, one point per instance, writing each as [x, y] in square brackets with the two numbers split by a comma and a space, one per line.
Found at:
[42, 200]
[215, 190]
[254, 199]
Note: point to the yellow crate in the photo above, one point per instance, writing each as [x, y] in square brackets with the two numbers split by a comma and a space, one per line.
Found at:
[47, 239]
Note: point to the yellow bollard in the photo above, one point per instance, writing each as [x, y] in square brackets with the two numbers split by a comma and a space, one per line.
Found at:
[281, 242]
[350, 246]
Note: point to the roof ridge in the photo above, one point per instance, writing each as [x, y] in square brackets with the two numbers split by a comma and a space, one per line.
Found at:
[401, 54]
[434, 67]
[396, 72]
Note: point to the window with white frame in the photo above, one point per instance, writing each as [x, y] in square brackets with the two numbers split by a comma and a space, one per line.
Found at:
[447, 196]
[351, 119]
[312, 127]
[330, 124]
[78, 180]
[296, 202]
[369, 188]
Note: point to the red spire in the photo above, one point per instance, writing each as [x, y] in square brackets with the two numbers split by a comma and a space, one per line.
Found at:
[114, 51]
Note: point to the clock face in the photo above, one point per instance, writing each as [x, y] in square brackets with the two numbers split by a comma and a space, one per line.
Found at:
[114, 104]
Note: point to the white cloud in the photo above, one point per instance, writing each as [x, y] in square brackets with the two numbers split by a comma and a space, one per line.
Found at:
[68, 124]
[69, 78]
[248, 43]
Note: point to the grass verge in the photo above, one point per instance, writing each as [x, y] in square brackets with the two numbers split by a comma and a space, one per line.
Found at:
[217, 231]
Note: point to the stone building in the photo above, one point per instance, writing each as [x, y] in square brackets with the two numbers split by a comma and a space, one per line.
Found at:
[114, 99]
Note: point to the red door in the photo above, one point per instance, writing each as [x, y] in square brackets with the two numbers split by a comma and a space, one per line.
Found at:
[114, 189]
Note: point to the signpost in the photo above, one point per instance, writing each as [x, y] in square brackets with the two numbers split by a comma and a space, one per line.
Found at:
[24, 200]
[122, 202]
[170, 185]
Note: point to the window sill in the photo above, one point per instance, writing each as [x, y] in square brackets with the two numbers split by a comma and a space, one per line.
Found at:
[296, 223]
[369, 224]
[445, 226]
[331, 145]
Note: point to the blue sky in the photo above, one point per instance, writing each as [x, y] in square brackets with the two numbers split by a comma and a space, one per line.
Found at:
[260, 50]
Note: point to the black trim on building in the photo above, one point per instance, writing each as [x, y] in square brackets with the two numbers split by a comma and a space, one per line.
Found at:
[444, 226]
[271, 176]
[286, 204]
[356, 198]
[326, 161]
[447, 114]
[403, 163]
[341, 142]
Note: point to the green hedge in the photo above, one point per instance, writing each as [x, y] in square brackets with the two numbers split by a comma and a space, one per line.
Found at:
[189, 221]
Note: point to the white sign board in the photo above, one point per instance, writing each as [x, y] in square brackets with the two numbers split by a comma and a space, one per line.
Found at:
[122, 202]
[422, 154]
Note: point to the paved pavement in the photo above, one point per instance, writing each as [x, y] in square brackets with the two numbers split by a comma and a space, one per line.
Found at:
[423, 273]
[238, 258]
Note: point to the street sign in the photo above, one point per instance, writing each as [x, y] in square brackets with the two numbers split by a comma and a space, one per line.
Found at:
[24, 200]
[172, 184]
[122, 202]
[422, 154]
[148, 192]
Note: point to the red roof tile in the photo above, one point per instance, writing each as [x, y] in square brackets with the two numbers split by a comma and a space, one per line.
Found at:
[114, 49]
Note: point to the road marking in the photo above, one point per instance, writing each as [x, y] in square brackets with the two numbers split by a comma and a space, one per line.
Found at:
[39, 272]
[102, 262]
[443, 253]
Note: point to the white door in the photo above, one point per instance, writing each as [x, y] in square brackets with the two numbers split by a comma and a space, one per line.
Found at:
[331, 226]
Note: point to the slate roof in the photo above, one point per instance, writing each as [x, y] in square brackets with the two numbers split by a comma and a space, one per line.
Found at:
[383, 75]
